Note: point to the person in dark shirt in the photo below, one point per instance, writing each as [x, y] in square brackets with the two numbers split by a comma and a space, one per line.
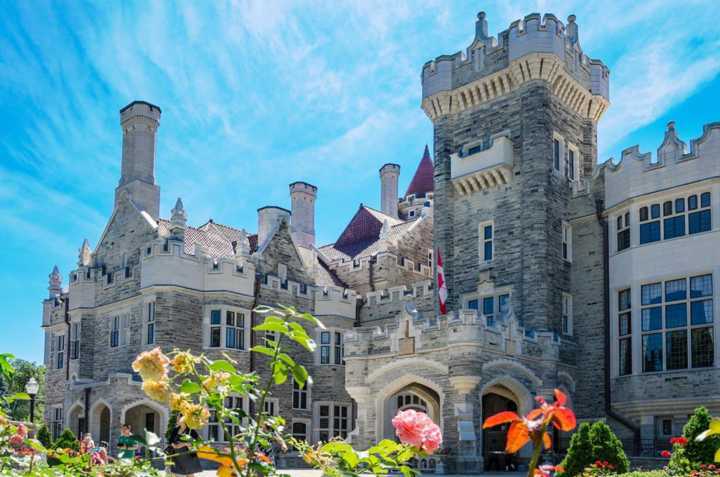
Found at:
[184, 460]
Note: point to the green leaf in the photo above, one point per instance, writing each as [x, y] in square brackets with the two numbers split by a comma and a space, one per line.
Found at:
[276, 327]
[222, 365]
[300, 375]
[190, 387]
[263, 350]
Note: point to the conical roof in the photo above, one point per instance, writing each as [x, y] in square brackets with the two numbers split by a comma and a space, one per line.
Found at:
[422, 181]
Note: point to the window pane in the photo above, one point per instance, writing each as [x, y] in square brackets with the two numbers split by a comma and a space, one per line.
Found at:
[651, 318]
[676, 290]
[676, 349]
[675, 315]
[625, 356]
[230, 338]
[701, 312]
[699, 222]
[627, 219]
[643, 213]
[230, 318]
[325, 337]
[655, 211]
[556, 153]
[705, 199]
[649, 232]
[651, 294]
[625, 324]
[674, 227]
[215, 337]
[702, 348]
[619, 222]
[488, 306]
[692, 202]
[487, 251]
[215, 317]
[503, 304]
[667, 208]
[624, 300]
[487, 232]
[701, 286]
[679, 205]
[652, 352]
[623, 240]
[473, 305]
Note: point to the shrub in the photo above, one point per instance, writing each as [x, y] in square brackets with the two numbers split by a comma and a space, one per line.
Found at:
[44, 437]
[67, 440]
[594, 442]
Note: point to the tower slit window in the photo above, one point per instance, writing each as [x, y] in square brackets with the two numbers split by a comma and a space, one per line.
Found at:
[486, 242]
[150, 325]
[75, 341]
[625, 332]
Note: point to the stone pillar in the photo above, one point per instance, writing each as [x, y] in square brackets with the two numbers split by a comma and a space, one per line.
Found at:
[469, 457]
[363, 436]
[389, 175]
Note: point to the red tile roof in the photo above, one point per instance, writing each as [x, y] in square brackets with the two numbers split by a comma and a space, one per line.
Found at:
[422, 181]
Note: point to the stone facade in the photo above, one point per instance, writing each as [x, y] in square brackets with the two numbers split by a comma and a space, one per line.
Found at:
[528, 228]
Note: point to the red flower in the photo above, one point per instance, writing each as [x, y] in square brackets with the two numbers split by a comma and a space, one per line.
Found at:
[679, 440]
[666, 453]
[532, 426]
[545, 470]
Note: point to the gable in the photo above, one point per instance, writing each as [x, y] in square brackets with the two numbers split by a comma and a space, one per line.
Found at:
[127, 229]
[363, 229]
[281, 250]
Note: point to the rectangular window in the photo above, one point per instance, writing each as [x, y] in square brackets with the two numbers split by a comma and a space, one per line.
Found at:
[703, 355]
[271, 407]
[567, 317]
[699, 221]
[215, 325]
[556, 154]
[325, 347]
[567, 241]
[625, 356]
[150, 327]
[676, 349]
[300, 396]
[625, 332]
[60, 351]
[623, 231]
[339, 348]
[488, 309]
[75, 341]
[334, 421]
[650, 232]
[236, 405]
[674, 226]
[115, 332]
[570, 173]
[56, 422]
[503, 305]
[486, 242]
[652, 352]
[234, 330]
[300, 430]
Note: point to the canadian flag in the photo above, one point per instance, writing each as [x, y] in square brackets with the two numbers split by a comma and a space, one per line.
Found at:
[442, 286]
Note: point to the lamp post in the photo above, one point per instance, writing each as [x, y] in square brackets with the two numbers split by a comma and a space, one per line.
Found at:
[32, 387]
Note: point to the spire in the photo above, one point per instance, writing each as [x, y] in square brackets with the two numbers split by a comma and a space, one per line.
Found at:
[54, 282]
[85, 254]
[422, 181]
[179, 217]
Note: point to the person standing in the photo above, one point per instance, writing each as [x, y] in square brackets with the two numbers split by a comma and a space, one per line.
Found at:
[127, 443]
[184, 459]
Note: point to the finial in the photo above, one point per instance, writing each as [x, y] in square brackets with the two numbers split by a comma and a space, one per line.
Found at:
[572, 30]
[85, 254]
[179, 217]
[55, 282]
[481, 27]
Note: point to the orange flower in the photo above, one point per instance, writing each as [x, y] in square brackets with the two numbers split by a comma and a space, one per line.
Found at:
[263, 458]
[533, 426]
[194, 416]
[157, 390]
[183, 363]
[226, 468]
[152, 365]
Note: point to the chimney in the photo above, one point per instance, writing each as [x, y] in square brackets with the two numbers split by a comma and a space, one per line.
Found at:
[302, 220]
[139, 121]
[572, 30]
[269, 217]
[389, 174]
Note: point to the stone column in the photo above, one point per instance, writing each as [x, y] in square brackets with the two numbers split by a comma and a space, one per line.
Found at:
[469, 459]
[364, 433]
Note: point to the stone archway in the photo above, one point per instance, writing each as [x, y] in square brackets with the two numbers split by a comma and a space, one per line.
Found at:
[502, 394]
[100, 421]
[145, 415]
[75, 419]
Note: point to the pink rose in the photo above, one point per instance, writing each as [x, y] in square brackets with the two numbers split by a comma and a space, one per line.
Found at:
[418, 430]
[16, 440]
[22, 430]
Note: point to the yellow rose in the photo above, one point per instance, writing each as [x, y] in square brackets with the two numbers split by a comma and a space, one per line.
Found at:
[183, 363]
[152, 365]
[177, 401]
[157, 390]
[215, 380]
[194, 416]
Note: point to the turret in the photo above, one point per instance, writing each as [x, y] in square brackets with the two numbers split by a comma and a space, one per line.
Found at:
[139, 121]
[389, 175]
[54, 283]
[85, 254]
[178, 220]
[268, 218]
[302, 220]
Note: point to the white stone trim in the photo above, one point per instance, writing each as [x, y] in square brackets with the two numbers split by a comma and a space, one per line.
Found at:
[434, 366]
[526, 372]
[163, 411]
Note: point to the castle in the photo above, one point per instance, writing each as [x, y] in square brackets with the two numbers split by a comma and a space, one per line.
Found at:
[561, 273]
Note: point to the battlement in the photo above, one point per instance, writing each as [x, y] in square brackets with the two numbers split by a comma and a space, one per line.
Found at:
[637, 173]
[335, 301]
[534, 48]
[171, 266]
[385, 259]
[140, 109]
[433, 332]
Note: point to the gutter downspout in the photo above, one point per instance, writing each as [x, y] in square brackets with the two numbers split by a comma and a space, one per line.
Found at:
[66, 303]
[606, 303]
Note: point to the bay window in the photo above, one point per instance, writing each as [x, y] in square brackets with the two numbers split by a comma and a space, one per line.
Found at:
[332, 347]
[228, 328]
[680, 216]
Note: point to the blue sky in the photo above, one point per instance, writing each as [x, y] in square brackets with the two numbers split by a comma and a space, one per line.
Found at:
[256, 95]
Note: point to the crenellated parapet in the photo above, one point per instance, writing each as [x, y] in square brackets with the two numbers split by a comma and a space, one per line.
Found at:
[535, 48]
[420, 333]
[335, 301]
[167, 264]
[638, 173]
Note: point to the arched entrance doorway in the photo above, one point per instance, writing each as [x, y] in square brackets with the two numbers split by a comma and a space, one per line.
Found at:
[100, 419]
[496, 400]
[414, 396]
[144, 416]
[76, 420]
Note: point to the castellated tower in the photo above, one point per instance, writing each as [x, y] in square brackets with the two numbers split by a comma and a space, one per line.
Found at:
[139, 121]
[302, 220]
[389, 175]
